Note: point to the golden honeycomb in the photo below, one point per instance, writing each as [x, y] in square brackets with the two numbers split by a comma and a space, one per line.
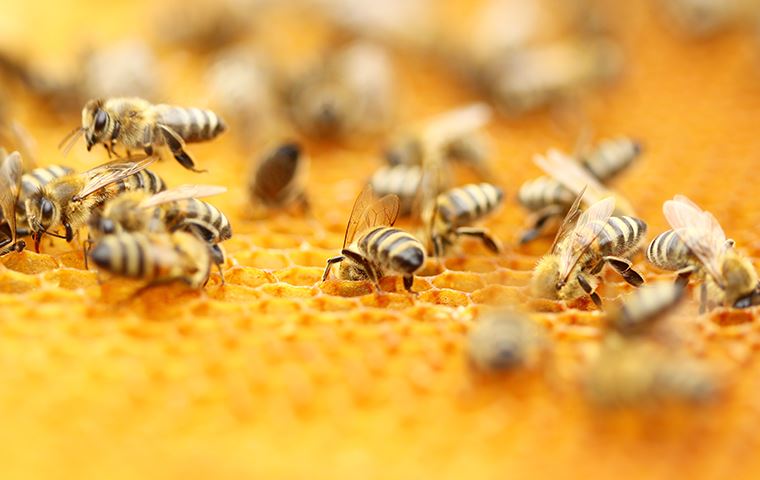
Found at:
[276, 375]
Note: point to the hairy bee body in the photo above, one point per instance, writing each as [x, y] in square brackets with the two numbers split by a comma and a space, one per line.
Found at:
[387, 250]
[543, 192]
[642, 308]
[31, 182]
[617, 241]
[610, 157]
[506, 341]
[458, 208]
[278, 180]
[154, 257]
[55, 205]
[192, 124]
[401, 180]
[668, 252]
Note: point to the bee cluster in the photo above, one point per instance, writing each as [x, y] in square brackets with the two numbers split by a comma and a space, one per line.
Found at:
[138, 228]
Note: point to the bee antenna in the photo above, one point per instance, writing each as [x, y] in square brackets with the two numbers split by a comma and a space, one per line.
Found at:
[70, 139]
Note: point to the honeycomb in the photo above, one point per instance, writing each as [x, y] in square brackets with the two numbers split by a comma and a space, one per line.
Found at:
[276, 375]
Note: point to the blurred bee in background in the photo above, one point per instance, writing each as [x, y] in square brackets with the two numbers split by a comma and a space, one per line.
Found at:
[379, 249]
[400, 180]
[645, 307]
[636, 373]
[279, 178]
[138, 125]
[175, 209]
[70, 200]
[550, 199]
[207, 26]
[155, 257]
[350, 92]
[505, 341]
[10, 190]
[584, 244]
[697, 247]
[455, 133]
[126, 68]
[705, 18]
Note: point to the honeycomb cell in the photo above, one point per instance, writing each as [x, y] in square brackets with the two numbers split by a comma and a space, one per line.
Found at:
[462, 281]
[249, 277]
[29, 262]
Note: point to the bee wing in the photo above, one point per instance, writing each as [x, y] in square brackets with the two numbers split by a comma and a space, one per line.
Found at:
[457, 123]
[368, 212]
[109, 173]
[182, 192]
[699, 230]
[571, 218]
[569, 173]
[589, 225]
[10, 186]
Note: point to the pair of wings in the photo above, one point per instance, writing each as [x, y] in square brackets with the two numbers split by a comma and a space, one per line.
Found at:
[700, 231]
[11, 171]
[370, 211]
[108, 173]
[579, 230]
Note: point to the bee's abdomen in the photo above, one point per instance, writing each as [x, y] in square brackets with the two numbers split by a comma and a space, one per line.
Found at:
[144, 180]
[621, 235]
[402, 180]
[611, 157]
[393, 249]
[275, 181]
[192, 124]
[128, 255]
[464, 205]
[183, 214]
[542, 192]
[40, 177]
[668, 252]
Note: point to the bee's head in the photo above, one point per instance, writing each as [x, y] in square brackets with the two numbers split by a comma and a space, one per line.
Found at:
[95, 122]
[545, 282]
[42, 214]
[739, 276]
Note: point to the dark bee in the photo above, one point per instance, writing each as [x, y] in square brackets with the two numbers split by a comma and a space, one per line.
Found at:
[644, 307]
[278, 180]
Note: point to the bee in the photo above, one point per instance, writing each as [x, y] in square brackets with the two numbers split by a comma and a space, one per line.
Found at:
[454, 133]
[697, 246]
[550, 196]
[379, 249]
[124, 68]
[635, 373]
[456, 209]
[506, 341]
[584, 243]
[138, 125]
[208, 26]
[351, 91]
[401, 180]
[644, 307]
[69, 201]
[278, 179]
[10, 189]
[175, 209]
[529, 78]
[155, 257]
[704, 18]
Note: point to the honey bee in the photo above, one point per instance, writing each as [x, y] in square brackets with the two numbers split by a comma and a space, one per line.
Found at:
[401, 180]
[635, 373]
[69, 201]
[506, 341]
[139, 125]
[550, 196]
[529, 78]
[175, 209]
[454, 133]
[155, 257]
[351, 91]
[278, 179]
[10, 189]
[379, 249]
[644, 307]
[704, 18]
[584, 243]
[121, 69]
[209, 25]
[697, 246]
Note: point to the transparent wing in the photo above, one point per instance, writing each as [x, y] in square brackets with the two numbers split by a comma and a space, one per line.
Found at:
[109, 173]
[589, 225]
[10, 185]
[456, 123]
[182, 192]
[568, 223]
[368, 212]
[699, 230]
[569, 173]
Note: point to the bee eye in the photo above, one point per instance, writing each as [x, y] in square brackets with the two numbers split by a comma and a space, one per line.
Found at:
[100, 120]
[46, 208]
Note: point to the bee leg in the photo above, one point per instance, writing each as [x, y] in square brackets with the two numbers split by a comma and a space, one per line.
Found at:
[174, 141]
[86, 251]
[371, 273]
[623, 267]
[330, 262]
[69, 233]
[702, 298]
[439, 247]
[17, 247]
[408, 282]
[542, 218]
[589, 291]
[482, 234]
[682, 280]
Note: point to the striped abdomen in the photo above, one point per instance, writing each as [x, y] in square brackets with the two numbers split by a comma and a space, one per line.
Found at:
[192, 124]
[144, 180]
[198, 217]
[155, 257]
[611, 157]
[464, 205]
[402, 180]
[392, 250]
[668, 252]
[621, 236]
[40, 177]
[543, 192]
